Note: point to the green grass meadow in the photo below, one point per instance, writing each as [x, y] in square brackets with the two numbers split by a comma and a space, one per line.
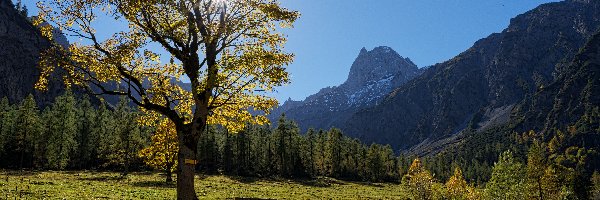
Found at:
[110, 185]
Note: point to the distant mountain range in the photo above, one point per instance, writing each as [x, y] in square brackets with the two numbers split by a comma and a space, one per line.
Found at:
[486, 86]
[372, 75]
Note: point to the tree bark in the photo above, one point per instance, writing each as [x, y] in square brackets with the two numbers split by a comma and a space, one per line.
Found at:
[186, 165]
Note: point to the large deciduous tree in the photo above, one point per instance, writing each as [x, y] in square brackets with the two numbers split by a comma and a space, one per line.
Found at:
[230, 50]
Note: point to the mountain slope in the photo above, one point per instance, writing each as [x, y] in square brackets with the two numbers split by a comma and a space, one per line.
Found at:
[372, 75]
[19, 55]
[480, 87]
[574, 97]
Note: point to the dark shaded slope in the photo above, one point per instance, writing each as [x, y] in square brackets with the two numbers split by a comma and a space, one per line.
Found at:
[20, 47]
[573, 98]
[479, 87]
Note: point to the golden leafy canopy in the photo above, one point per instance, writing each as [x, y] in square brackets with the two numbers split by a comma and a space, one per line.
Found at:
[162, 152]
[231, 51]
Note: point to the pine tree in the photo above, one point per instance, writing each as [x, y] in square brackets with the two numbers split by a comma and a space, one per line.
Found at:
[62, 132]
[319, 154]
[333, 152]
[87, 140]
[27, 128]
[130, 136]
[508, 179]
[375, 163]
[105, 130]
[389, 162]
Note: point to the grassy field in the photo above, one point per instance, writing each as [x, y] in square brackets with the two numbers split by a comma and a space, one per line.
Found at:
[108, 185]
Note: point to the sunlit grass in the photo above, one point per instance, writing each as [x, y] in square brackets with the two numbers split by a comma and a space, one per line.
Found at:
[109, 185]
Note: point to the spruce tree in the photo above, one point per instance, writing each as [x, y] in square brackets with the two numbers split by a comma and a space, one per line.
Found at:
[308, 150]
[389, 162]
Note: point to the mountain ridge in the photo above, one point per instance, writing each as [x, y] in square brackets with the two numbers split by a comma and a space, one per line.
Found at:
[372, 75]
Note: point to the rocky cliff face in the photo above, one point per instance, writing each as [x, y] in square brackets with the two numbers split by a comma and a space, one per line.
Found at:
[21, 44]
[480, 87]
[372, 75]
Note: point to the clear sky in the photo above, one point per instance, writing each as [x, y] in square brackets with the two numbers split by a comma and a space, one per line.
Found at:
[330, 33]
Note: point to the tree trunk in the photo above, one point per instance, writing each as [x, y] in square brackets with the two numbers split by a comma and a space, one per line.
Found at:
[186, 166]
[168, 173]
[169, 176]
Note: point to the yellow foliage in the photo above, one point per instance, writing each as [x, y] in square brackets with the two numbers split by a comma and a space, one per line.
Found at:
[162, 153]
[231, 51]
[419, 181]
[456, 185]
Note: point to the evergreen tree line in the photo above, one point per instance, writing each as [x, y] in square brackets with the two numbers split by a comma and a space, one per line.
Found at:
[284, 152]
[70, 134]
[74, 134]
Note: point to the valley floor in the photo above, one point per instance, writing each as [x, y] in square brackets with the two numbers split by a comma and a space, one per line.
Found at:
[109, 185]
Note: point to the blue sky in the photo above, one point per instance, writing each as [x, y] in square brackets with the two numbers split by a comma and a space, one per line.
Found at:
[330, 33]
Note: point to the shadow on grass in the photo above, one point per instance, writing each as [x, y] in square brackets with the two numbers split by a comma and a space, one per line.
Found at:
[316, 182]
[319, 182]
[19, 172]
[312, 182]
[244, 179]
[160, 184]
[103, 178]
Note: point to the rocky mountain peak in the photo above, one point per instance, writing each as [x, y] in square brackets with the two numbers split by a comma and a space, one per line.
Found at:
[372, 76]
[380, 63]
